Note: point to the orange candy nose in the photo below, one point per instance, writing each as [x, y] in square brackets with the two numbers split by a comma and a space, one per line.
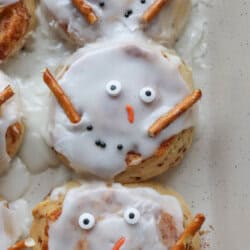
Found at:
[131, 113]
[119, 243]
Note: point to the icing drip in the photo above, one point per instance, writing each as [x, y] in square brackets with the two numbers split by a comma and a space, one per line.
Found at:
[9, 115]
[13, 222]
[115, 17]
[117, 129]
[109, 207]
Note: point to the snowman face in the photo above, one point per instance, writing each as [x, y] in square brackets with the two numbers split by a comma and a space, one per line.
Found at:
[113, 17]
[116, 218]
[120, 92]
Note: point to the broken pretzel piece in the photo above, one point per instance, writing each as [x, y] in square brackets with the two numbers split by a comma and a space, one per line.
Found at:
[189, 232]
[86, 11]
[153, 10]
[23, 244]
[165, 120]
[6, 94]
[61, 97]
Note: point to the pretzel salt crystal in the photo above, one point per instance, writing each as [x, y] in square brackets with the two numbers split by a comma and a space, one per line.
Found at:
[6, 94]
[153, 10]
[86, 11]
[61, 97]
[189, 232]
[23, 244]
[165, 120]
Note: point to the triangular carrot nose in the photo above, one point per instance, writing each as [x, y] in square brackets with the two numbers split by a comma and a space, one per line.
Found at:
[119, 243]
[131, 113]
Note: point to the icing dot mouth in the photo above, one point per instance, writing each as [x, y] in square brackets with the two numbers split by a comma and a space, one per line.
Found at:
[90, 127]
[128, 13]
[100, 143]
[120, 147]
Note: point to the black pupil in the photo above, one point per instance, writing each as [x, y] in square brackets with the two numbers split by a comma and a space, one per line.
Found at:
[131, 216]
[113, 87]
[101, 4]
[86, 221]
[148, 93]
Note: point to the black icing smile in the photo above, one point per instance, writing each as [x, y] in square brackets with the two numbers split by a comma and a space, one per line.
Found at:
[102, 144]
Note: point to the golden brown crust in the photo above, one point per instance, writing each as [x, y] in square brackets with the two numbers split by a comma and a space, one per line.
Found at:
[16, 20]
[43, 216]
[168, 155]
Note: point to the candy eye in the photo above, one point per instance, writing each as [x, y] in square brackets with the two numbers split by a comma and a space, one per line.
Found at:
[147, 94]
[86, 221]
[114, 88]
[132, 216]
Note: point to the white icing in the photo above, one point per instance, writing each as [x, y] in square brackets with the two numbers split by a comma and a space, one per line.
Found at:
[14, 221]
[10, 114]
[165, 28]
[135, 65]
[34, 94]
[108, 205]
[16, 181]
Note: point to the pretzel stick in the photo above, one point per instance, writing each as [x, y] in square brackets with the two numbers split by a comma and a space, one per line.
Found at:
[6, 94]
[189, 232]
[61, 97]
[165, 120]
[23, 244]
[153, 10]
[86, 10]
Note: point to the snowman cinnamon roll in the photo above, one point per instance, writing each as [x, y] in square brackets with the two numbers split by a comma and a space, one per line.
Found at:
[11, 125]
[17, 19]
[122, 111]
[86, 20]
[94, 216]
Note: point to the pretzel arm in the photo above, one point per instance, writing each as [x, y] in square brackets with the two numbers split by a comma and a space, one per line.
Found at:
[61, 97]
[153, 10]
[165, 120]
[86, 10]
[189, 232]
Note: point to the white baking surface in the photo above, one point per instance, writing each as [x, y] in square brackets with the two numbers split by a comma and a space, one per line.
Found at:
[214, 176]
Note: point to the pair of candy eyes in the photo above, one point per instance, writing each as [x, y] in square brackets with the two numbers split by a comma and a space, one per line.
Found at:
[87, 221]
[147, 94]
